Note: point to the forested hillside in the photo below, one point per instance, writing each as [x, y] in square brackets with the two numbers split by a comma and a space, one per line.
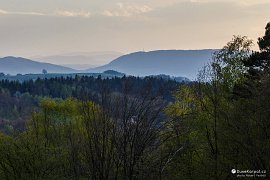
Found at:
[153, 128]
[18, 100]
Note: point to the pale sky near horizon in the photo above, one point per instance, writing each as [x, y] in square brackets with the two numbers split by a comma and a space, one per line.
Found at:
[49, 27]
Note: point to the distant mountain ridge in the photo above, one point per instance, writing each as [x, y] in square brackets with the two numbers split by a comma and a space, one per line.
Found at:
[184, 63]
[175, 63]
[17, 65]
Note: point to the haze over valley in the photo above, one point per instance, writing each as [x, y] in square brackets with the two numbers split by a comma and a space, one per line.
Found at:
[80, 60]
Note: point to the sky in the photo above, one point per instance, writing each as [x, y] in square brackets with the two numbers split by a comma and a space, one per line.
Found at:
[31, 28]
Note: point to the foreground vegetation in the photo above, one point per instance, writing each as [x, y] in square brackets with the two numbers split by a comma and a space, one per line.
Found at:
[214, 125]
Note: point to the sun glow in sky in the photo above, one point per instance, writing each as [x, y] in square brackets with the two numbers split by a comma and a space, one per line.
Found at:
[40, 28]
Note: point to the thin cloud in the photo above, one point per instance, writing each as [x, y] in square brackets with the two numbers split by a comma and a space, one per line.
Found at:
[64, 13]
[126, 10]
[3, 12]
[241, 2]
[74, 14]
[122, 10]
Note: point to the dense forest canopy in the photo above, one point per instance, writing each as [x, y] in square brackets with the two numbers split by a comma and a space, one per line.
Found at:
[151, 128]
[19, 100]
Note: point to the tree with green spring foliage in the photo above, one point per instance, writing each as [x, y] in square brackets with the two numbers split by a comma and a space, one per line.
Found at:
[221, 130]
[74, 139]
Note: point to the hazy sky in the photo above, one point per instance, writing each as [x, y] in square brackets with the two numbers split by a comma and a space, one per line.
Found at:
[47, 27]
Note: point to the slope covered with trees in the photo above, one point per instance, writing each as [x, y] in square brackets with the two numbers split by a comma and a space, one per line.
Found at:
[19, 99]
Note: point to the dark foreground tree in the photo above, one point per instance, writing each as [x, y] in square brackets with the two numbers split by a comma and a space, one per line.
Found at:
[221, 128]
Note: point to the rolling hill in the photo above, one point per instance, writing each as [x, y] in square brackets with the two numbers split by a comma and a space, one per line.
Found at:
[184, 63]
[17, 65]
